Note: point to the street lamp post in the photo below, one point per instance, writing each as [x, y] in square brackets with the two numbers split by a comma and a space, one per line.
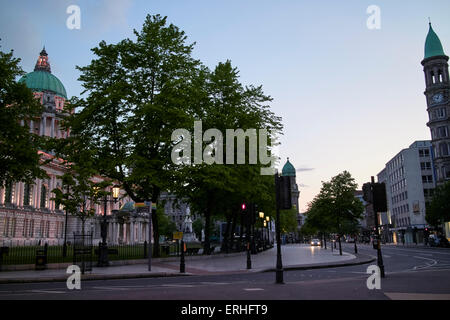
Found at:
[261, 216]
[279, 266]
[103, 247]
[65, 232]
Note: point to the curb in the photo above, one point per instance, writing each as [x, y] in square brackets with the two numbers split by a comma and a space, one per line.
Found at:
[96, 277]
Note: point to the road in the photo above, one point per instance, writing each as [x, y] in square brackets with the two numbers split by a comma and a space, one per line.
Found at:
[411, 273]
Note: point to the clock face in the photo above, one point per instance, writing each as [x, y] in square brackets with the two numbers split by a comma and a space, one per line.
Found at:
[438, 97]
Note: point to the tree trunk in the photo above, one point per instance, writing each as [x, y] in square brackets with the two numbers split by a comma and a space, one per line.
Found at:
[340, 248]
[155, 225]
[233, 228]
[207, 247]
[226, 236]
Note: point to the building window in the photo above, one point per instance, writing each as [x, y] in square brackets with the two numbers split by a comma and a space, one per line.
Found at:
[425, 165]
[47, 234]
[446, 171]
[441, 113]
[427, 179]
[442, 132]
[25, 228]
[43, 197]
[31, 228]
[443, 149]
[424, 152]
[9, 192]
[13, 227]
[6, 227]
[41, 229]
[27, 194]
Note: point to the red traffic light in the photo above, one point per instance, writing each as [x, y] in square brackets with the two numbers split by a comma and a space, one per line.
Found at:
[243, 206]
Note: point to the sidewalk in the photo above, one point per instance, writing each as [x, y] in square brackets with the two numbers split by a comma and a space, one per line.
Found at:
[294, 256]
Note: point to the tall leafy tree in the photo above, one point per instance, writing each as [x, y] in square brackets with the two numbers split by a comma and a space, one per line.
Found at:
[137, 94]
[220, 187]
[336, 208]
[19, 158]
[79, 192]
[438, 209]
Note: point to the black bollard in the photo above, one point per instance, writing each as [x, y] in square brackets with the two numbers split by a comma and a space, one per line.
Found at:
[182, 264]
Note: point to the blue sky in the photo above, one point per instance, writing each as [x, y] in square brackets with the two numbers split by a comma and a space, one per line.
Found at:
[351, 98]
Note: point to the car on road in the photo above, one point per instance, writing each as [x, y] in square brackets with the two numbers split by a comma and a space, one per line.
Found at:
[315, 242]
[438, 241]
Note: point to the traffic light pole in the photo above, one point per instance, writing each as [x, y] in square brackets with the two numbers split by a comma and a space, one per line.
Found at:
[377, 230]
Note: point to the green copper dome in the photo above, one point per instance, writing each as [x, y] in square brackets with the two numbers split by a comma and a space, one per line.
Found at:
[433, 46]
[288, 169]
[43, 80]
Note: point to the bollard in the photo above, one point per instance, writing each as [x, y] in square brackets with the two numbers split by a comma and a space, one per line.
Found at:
[182, 264]
[249, 260]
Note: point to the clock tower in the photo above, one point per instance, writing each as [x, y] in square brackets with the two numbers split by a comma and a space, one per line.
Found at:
[437, 93]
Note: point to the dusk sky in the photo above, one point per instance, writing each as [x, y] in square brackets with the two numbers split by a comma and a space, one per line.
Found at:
[351, 98]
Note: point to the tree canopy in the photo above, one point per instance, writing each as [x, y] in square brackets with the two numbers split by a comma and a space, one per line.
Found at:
[335, 209]
[438, 209]
[19, 157]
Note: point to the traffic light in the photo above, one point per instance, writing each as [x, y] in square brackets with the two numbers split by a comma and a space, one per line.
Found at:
[379, 197]
[243, 207]
[367, 192]
[285, 193]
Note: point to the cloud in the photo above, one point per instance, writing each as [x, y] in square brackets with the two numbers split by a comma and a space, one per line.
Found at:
[303, 185]
[112, 13]
[304, 169]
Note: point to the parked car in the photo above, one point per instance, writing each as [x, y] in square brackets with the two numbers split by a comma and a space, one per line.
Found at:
[315, 242]
[438, 241]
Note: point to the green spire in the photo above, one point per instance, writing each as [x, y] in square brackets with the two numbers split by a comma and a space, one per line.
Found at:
[433, 46]
[288, 169]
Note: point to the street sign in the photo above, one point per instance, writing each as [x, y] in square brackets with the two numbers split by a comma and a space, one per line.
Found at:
[178, 235]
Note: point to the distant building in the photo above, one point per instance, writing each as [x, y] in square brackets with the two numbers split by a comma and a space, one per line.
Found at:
[437, 92]
[410, 181]
[289, 171]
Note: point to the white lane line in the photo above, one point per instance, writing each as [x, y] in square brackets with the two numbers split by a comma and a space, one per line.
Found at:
[254, 289]
[45, 291]
[177, 285]
[110, 288]
[433, 262]
[429, 251]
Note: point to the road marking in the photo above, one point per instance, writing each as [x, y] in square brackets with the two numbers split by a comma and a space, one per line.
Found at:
[254, 289]
[386, 256]
[178, 285]
[110, 288]
[416, 296]
[434, 262]
[214, 283]
[45, 291]
[418, 251]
